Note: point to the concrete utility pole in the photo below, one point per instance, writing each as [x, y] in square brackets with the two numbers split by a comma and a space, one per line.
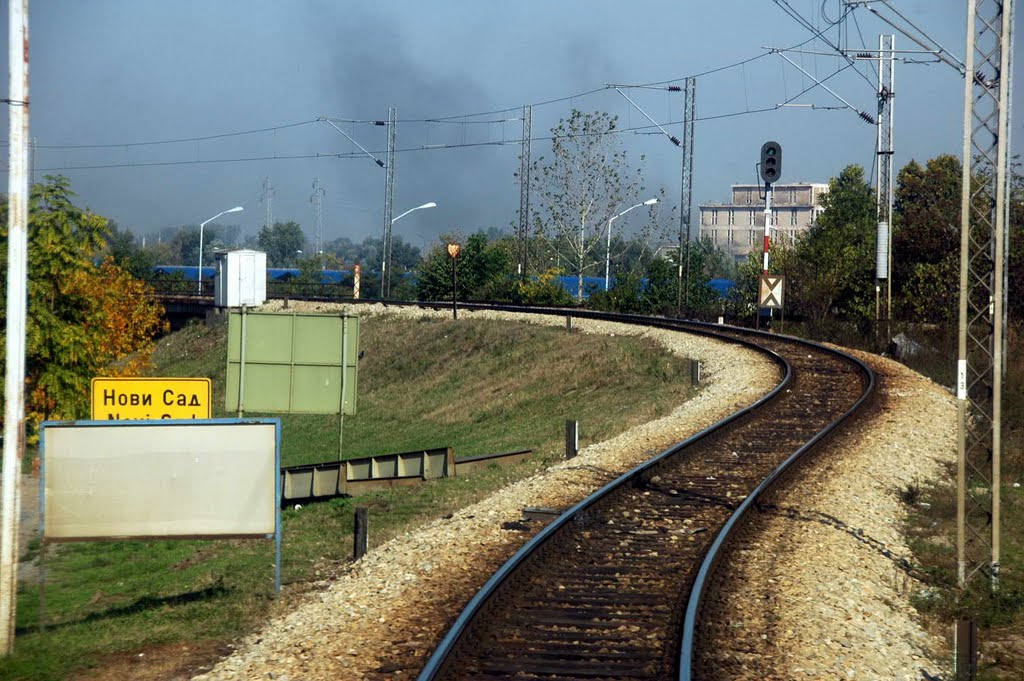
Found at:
[686, 193]
[883, 185]
[389, 196]
[984, 235]
[17, 278]
[524, 192]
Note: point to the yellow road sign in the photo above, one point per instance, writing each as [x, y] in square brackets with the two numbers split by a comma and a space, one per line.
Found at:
[118, 399]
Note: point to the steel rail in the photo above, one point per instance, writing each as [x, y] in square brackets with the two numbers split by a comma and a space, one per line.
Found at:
[716, 550]
[445, 647]
[438, 659]
[714, 553]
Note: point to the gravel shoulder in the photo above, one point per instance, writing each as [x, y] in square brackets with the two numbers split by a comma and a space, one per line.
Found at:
[828, 602]
[830, 599]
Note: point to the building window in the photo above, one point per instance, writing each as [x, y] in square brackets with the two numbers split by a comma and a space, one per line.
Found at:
[750, 196]
[730, 238]
[792, 217]
[714, 217]
[792, 196]
[732, 217]
[751, 218]
[752, 234]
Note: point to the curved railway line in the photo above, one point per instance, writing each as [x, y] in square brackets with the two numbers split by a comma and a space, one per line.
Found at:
[613, 588]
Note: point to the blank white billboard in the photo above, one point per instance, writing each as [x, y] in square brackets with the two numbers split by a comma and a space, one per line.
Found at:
[160, 479]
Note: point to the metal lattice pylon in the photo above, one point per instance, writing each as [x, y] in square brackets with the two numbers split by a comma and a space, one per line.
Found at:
[317, 199]
[267, 198]
[686, 192]
[883, 186]
[389, 195]
[524, 192]
[984, 235]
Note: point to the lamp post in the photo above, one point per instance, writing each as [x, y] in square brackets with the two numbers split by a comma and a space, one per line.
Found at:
[608, 249]
[384, 274]
[199, 273]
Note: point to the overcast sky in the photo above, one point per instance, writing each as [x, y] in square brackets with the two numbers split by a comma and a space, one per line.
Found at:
[126, 72]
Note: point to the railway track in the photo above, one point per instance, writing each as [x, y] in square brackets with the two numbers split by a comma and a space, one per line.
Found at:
[613, 587]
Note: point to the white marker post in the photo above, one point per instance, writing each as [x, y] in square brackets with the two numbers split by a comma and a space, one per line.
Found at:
[17, 265]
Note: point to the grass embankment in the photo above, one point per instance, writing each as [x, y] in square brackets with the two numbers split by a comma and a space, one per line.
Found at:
[478, 386]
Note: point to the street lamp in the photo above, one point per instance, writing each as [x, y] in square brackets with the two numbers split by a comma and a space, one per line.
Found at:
[608, 249]
[199, 273]
[387, 251]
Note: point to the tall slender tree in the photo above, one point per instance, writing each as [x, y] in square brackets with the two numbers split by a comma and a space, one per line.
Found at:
[586, 181]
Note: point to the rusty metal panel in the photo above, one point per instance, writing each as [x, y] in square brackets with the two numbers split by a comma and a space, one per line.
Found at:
[109, 479]
[359, 487]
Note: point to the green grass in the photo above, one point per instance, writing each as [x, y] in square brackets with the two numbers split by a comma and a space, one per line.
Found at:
[478, 386]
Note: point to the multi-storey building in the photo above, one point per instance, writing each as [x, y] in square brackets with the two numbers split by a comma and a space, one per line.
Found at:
[737, 227]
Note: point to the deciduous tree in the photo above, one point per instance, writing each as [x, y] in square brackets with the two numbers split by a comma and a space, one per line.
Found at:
[83, 319]
[837, 253]
[587, 180]
[282, 243]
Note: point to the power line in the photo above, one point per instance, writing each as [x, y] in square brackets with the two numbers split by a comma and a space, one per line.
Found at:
[799, 18]
[455, 119]
[181, 140]
[434, 147]
[451, 119]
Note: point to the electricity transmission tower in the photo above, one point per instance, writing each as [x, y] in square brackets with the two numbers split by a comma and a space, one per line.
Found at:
[524, 192]
[317, 200]
[267, 198]
[983, 239]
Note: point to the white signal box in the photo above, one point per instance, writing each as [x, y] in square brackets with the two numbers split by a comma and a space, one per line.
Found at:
[241, 278]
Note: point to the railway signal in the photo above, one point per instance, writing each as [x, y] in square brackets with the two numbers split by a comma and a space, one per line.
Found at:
[771, 162]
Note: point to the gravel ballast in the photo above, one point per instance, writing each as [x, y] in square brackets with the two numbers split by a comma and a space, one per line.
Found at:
[381, 618]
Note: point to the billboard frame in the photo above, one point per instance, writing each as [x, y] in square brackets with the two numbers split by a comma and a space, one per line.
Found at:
[193, 423]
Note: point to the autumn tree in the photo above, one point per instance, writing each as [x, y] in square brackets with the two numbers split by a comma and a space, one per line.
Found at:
[583, 185]
[84, 319]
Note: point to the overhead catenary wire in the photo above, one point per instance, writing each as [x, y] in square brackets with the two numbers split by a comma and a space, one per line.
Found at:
[434, 147]
[799, 18]
[454, 119]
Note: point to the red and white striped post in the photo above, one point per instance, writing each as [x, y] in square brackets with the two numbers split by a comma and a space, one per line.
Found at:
[767, 224]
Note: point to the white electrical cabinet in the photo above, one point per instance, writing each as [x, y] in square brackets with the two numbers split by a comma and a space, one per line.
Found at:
[241, 278]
